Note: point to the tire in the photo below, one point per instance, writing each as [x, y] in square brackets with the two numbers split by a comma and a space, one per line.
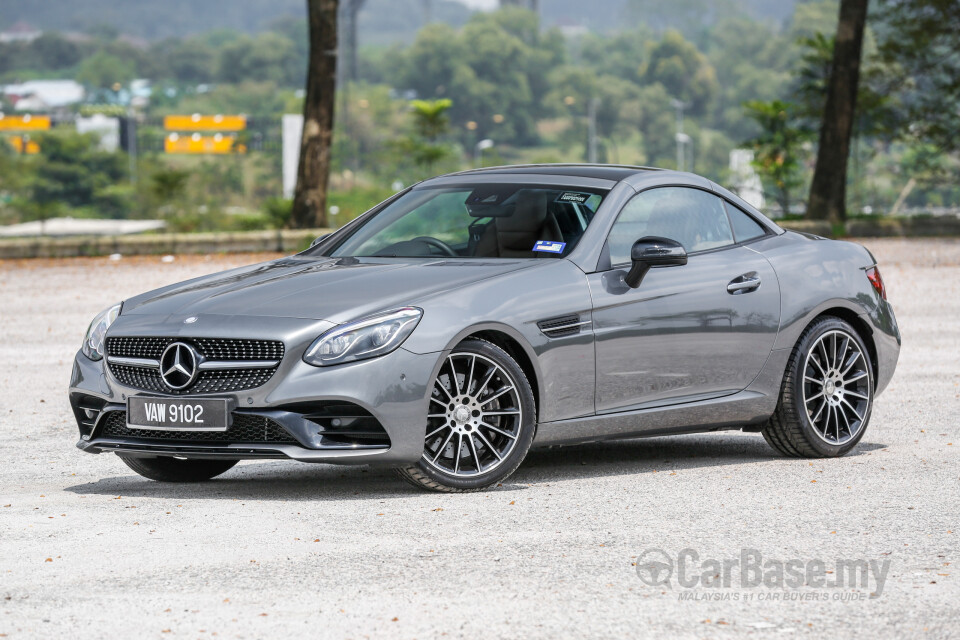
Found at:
[489, 419]
[826, 396]
[165, 469]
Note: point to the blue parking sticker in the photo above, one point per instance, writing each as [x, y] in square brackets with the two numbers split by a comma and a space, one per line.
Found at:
[549, 247]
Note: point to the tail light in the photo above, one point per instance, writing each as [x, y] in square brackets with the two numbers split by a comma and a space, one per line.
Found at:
[873, 274]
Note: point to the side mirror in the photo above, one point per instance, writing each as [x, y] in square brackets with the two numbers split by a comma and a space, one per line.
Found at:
[653, 251]
[319, 239]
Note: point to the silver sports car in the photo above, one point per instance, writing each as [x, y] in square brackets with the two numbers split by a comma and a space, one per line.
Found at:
[474, 315]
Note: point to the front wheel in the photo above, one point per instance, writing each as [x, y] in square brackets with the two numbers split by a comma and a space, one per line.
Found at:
[164, 469]
[480, 423]
[826, 396]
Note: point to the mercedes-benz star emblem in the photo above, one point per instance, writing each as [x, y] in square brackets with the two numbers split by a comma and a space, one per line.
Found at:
[178, 365]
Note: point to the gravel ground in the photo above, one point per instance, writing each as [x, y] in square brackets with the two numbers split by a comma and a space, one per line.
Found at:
[89, 549]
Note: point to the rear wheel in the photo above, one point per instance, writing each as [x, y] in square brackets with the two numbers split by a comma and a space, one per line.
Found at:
[826, 396]
[164, 469]
[480, 422]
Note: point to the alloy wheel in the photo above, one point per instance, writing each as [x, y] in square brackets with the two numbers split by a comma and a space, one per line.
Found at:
[475, 416]
[836, 387]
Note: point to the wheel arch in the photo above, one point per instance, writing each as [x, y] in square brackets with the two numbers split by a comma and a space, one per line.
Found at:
[516, 349]
[863, 329]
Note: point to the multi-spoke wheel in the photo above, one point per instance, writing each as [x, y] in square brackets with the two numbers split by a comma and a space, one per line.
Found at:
[826, 396]
[836, 387]
[480, 422]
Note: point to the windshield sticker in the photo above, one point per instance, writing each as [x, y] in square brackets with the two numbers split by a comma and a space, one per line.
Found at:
[549, 247]
[573, 196]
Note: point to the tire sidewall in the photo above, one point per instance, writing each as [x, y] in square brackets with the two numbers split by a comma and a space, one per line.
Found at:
[527, 428]
[813, 436]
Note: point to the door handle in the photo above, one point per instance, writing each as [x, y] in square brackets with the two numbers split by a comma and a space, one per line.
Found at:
[744, 284]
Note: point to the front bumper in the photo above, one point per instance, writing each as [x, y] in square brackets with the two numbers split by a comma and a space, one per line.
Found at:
[390, 392]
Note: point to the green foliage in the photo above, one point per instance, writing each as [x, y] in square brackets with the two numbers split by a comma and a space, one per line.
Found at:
[497, 64]
[919, 40]
[278, 212]
[70, 176]
[778, 149]
[876, 114]
[190, 60]
[70, 172]
[430, 119]
[683, 71]
[269, 57]
[102, 70]
[430, 123]
[169, 185]
[499, 75]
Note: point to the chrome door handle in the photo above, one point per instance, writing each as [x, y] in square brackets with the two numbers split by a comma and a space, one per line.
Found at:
[743, 284]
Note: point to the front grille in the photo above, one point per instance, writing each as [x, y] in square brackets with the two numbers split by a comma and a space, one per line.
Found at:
[246, 429]
[209, 380]
[210, 348]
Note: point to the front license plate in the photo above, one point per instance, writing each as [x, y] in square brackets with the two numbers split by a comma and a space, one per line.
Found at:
[177, 414]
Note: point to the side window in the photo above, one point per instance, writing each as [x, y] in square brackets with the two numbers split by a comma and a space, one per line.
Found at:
[694, 218]
[744, 227]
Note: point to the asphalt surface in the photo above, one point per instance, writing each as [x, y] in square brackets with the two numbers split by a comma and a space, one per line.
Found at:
[88, 549]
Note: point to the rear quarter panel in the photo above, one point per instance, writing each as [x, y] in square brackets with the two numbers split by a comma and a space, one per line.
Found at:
[817, 274]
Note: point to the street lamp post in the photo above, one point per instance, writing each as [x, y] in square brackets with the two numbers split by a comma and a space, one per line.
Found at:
[683, 140]
[681, 137]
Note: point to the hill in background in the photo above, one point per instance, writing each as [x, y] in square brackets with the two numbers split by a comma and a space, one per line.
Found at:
[381, 21]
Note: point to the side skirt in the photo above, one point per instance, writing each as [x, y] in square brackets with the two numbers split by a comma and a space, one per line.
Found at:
[748, 408]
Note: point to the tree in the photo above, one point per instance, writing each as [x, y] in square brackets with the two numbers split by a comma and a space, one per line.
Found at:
[188, 61]
[920, 42]
[684, 72]
[828, 191]
[778, 147]
[103, 70]
[430, 123]
[313, 171]
[70, 173]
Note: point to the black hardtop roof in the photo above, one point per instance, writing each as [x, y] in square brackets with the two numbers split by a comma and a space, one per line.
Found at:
[612, 172]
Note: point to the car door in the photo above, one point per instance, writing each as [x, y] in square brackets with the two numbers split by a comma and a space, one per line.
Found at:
[688, 332]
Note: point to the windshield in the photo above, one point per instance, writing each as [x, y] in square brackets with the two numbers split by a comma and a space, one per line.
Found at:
[477, 221]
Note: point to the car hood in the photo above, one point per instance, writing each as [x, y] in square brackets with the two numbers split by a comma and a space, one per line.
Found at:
[336, 290]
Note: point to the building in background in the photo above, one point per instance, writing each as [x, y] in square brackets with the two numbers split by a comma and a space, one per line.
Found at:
[43, 95]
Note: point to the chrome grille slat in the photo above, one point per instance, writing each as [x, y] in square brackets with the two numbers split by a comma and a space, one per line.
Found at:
[230, 364]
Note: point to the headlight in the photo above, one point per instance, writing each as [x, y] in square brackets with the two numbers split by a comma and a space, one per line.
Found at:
[97, 332]
[367, 338]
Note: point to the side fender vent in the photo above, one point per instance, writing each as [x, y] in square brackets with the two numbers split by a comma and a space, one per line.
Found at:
[562, 326]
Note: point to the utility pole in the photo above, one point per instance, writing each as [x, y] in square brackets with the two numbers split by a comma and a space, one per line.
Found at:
[132, 144]
[427, 12]
[351, 9]
[592, 130]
